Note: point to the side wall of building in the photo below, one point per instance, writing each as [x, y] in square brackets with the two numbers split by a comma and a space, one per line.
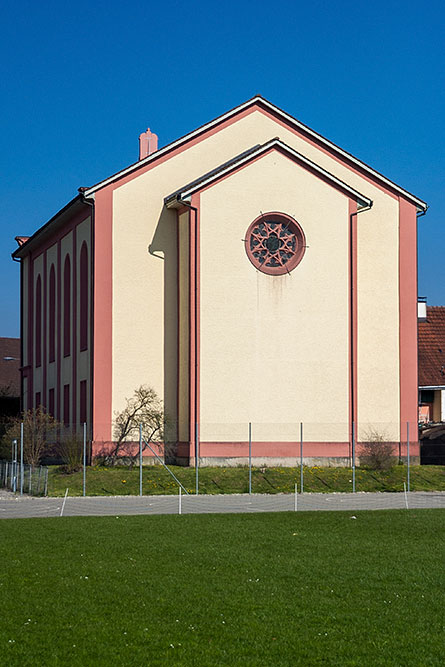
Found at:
[56, 324]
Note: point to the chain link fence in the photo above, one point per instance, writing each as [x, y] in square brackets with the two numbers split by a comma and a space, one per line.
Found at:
[24, 478]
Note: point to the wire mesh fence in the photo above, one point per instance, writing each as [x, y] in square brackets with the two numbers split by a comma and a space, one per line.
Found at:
[236, 467]
[28, 507]
[24, 478]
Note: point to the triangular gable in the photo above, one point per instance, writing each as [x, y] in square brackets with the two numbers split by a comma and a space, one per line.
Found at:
[261, 104]
[184, 194]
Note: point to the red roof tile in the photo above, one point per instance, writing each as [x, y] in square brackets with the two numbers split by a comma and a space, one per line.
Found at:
[9, 366]
[432, 348]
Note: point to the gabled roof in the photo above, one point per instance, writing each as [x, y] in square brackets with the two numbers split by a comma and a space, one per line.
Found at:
[184, 193]
[432, 348]
[260, 102]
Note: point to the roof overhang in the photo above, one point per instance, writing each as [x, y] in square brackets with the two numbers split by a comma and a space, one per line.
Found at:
[260, 102]
[433, 387]
[73, 207]
[179, 197]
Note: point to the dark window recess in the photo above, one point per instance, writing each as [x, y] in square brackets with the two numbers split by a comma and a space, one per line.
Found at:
[426, 396]
[83, 402]
[84, 297]
[38, 399]
[52, 314]
[51, 402]
[66, 404]
[39, 322]
[67, 307]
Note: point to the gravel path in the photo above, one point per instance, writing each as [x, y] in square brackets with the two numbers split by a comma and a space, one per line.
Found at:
[14, 507]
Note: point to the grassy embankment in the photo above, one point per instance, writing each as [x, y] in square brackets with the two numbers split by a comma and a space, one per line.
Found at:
[156, 480]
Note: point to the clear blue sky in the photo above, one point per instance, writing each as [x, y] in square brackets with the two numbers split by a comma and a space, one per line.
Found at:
[79, 82]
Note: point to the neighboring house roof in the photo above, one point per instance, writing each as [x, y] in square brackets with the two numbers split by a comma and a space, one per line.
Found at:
[432, 348]
[256, 151]
[9, 366]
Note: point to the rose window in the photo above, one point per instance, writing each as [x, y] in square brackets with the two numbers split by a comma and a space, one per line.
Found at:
[275, 243]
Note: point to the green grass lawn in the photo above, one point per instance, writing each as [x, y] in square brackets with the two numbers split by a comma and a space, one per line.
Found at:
[265, 589]
[156, 480]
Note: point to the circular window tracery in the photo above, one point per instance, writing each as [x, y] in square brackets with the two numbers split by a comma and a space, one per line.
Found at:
[275, 243]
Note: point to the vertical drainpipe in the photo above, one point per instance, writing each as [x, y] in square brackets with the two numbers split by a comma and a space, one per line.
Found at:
[195, 210]
[18, 259]
[90, 202]
[353, 288]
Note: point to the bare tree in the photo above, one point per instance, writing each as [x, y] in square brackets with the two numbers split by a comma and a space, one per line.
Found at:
[40, 432]
[143, 408]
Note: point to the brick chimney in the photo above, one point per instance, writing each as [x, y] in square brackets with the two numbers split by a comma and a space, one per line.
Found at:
[148, 143]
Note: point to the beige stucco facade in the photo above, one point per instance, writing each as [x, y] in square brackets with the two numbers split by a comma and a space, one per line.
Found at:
[144, 298]
[330, 343]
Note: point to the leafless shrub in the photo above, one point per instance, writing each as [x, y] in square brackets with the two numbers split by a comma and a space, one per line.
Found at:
[70, 450]
[375, 452]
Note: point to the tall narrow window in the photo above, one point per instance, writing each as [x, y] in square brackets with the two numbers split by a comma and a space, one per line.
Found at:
[39, 321]
[66, 404]
[84, 297]
[67, 307]
[51, 402]
[83, 402]
[52, 314]
[38, 399]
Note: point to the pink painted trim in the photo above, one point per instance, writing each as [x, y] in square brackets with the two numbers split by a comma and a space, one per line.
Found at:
[74, 291]
[103, 323]
[408, 317]
[255, 104]
[195, 201]
[374, 180]
[353, 326]
[45, 330]
[30, 365]
[282, 449]
[192, 334]
[178, 321]
[59, 331]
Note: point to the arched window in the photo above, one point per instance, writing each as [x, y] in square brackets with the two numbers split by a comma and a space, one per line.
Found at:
[67, 307]
[52, 314]
[84, 297]
[38, 329]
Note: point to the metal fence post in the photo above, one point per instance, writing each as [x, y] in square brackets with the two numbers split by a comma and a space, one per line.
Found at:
[250, 458]
[196, 459]
[301, 457]
[21, 459]
[407, 455]
[14, 465]
[140, 459]
[84, 459]
[296, 497]
[353, 457]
